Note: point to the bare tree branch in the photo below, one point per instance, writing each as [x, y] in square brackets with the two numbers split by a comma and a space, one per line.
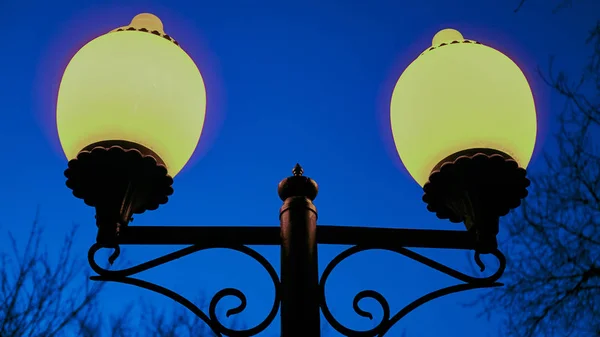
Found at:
[39, 297]
[42, 297]
[553, 283]
[520, 5]
[561, 4]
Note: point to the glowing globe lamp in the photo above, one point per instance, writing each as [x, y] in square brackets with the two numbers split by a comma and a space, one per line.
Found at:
[133, 85]
[130, 111]
[464, 124]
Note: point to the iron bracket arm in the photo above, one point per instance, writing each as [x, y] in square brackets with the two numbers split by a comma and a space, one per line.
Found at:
[270, 235]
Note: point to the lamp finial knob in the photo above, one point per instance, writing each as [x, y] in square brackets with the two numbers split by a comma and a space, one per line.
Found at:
[148, 21]
[298, 185]
[446, 36]
[298, 170]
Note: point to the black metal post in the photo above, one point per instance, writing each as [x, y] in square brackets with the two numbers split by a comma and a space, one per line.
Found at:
[300, 315]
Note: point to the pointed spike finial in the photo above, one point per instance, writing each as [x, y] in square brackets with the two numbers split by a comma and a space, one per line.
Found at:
[298, 171]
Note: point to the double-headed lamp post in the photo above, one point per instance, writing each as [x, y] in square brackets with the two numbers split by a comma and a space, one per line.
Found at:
[130, 112]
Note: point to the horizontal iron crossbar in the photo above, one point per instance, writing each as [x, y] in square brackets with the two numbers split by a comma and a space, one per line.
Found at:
[270, 235]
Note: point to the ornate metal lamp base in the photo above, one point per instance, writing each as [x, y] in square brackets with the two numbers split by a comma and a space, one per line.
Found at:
[477, 187]
[118, 178]
[298, 237]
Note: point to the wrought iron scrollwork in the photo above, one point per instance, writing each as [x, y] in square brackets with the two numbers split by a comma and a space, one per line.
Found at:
[123, 276]
[386, 322]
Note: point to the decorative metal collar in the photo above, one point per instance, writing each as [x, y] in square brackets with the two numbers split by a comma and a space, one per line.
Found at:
[155, 32]
[453, 42]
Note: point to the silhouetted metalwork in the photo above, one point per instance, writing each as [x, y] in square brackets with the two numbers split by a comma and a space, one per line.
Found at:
[118, 178]
[386, 321]
[477, 187]
[300, 293]
[123, 276]
[299, 265]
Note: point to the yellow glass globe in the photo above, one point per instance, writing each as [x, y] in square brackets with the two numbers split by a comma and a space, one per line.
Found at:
[136, 86]
[459, 95]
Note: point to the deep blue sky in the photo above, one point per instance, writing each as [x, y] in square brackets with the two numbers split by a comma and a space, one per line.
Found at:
[287, 82]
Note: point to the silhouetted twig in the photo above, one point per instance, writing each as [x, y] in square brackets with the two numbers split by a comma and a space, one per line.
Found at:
[553, 280]
[45, 297]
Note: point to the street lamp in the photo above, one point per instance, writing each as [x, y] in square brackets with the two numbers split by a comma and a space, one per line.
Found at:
[463, 119]
[130, 112]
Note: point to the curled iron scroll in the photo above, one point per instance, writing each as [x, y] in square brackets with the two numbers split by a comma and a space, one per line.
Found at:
[123, 276]
[386, 322]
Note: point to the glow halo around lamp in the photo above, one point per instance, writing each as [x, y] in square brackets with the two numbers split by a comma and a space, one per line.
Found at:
[136, 86]
[464, 124]
[460, 94]
[130, 111]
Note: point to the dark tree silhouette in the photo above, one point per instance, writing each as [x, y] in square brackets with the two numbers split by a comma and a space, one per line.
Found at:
[174, 321]
[558, 4]
[41, 297]
[45, 297]
[553, 275]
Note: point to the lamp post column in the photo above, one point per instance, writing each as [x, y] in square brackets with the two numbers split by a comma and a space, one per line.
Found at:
[300, 315]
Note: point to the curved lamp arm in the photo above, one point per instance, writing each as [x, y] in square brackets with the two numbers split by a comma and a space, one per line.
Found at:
[386, 321]
[239, 237]
[123, 276]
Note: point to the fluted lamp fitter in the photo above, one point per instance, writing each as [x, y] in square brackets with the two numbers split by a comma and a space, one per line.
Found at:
[130, 111]
[464, 123]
